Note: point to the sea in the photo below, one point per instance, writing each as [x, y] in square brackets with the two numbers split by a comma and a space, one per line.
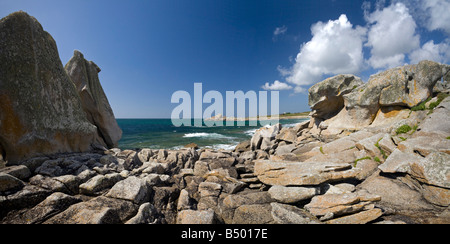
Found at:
[162, 134]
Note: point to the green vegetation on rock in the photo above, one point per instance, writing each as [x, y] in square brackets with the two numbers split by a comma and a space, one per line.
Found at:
[403, 129]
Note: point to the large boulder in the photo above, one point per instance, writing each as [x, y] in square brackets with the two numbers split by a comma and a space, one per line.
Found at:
[40, 110]
[264, 138]
[392, 90]
[406, 86]
[326, 97]
[84, 75]
[302, 173]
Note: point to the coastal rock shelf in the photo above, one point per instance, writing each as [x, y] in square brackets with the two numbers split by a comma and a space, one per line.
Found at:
[368, 176]
[375, 152]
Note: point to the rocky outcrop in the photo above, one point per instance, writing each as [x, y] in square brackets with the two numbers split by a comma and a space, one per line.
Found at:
[385, 95]
[84, 74]
[41, 112]
[326, 98]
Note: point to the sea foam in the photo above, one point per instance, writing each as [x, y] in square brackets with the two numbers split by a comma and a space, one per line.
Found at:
[203, 134]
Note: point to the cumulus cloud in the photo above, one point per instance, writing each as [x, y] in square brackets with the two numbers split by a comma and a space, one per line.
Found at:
[430, 51]
[276, 86]
[439, 18]
[336, 47]
[392, 34]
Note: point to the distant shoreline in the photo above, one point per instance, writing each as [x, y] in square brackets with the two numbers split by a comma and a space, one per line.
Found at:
[295, 116]
[302, 115]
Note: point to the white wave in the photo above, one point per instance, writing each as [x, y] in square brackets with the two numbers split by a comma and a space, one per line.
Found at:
[208, 135]
[250, 132]
[289, 125]
[226, 147]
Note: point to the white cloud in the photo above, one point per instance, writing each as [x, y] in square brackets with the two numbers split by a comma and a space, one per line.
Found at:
[430, 51]
[335, 48]
[280, 30]
[392, 34]
[277, 85]
[430, 14]
[439, 17]
[299, 89]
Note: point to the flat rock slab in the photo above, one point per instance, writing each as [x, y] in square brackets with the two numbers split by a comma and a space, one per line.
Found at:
[302, 173]
[358, 218]
[99, 210]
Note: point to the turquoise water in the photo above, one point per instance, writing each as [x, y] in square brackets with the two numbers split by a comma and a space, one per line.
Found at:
[161, 133]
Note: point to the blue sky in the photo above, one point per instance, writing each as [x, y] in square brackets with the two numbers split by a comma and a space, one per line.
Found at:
[147, 50]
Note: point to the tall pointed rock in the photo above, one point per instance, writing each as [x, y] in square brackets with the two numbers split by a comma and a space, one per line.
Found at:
[84, 74]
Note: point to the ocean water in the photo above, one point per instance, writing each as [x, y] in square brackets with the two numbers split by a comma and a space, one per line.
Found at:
[161, 133]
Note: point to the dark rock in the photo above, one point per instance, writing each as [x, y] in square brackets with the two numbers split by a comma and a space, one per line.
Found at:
[40, 112]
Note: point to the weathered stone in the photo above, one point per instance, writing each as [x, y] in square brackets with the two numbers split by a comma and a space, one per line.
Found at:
[213, 155]
[358, 218]
[40, 112]
[50, 183]
[71, 182]
[339, 204]
[99, 210]
[232, 202]
[264, 137]
[434, 169]
[248, 155]
[99, 182]
[27, 197]
[292, 194]
[209, 189]
[302, 173]
[147, 214]
[369, 145]
[153, 167]
[434, 123]
[321, 205]
[84, 74]
[196, 217]
[288, 214]
[19, 171]
[287, 134]
[184, 201]
[131, 189]
[425, 145]
[52, 205]
[164, 199]
[253, 214]
[325, 98]
[9, 183]
[243, 147]
[396, 193]
[386, 144]
[387, 117]
[338, 145]
[50, 168]
[285, 149]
